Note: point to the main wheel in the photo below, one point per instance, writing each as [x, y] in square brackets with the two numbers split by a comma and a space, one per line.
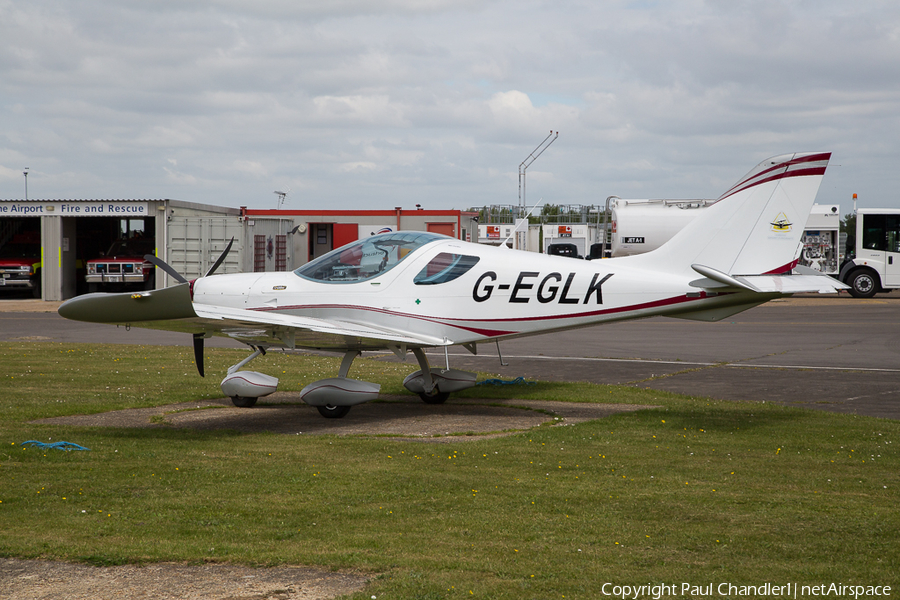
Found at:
[863, 284]
[333, 412]
[436, 397]
[243, 402]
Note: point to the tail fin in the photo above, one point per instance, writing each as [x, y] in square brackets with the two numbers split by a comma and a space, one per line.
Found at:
[755, 227]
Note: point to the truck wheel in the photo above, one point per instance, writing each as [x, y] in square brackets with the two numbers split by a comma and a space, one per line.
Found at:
[863, 284]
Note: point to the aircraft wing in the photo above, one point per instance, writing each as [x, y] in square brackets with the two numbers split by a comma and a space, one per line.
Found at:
[276, 328]
[171, 309]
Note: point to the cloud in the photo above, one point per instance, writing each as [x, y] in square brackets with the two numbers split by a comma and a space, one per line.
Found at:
[513, 108]
[356, 111]
[12, 175]
[369, 104]
[250, 167]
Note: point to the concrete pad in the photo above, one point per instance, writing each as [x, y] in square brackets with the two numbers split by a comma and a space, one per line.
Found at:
[400, 416]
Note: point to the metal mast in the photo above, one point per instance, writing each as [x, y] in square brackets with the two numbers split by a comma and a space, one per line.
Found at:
[530, 159]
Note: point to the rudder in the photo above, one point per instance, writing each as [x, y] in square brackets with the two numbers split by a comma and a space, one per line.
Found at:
[755, 227]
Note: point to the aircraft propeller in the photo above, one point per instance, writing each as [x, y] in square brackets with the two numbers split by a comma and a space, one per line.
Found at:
[221, 258]
[160, 263]
[198, 337]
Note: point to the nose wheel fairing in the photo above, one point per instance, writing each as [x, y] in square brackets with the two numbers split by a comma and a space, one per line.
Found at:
[244, 387]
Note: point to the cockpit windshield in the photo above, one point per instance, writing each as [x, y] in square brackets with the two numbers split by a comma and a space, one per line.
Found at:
[366, 258]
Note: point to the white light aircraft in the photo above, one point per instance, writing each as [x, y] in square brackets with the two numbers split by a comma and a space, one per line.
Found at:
[411, 290]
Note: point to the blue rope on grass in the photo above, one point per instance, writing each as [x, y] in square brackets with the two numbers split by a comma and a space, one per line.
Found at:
[55, 445]
[516, 381]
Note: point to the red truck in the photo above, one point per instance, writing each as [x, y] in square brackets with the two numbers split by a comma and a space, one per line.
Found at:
[122, 266]
[20, 264]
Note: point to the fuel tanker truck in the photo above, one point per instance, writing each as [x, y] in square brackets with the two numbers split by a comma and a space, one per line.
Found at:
[639, 226]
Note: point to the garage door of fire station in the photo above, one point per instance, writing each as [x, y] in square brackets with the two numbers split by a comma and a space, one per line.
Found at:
[443, 228]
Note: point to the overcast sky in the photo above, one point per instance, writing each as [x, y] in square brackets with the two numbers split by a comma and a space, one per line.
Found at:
[372, 104]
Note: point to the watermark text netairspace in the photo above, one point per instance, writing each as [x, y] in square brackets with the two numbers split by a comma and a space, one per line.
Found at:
[733, 590]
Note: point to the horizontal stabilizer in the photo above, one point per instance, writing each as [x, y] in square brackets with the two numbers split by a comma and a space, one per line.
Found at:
[793, 284]
[720, 278]
[807, 281]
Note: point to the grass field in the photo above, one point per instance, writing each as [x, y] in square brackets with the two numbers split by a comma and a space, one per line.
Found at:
[696, 491]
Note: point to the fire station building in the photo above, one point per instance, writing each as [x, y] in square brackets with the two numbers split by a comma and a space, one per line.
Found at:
[57, 249]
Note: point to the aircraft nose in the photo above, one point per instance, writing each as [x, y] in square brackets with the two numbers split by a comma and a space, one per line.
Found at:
[76, 309]
[153, 305]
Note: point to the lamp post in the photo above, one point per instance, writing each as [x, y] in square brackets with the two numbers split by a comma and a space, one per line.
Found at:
[25, 173]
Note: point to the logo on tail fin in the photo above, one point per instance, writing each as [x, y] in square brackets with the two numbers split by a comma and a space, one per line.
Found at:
[781, 224]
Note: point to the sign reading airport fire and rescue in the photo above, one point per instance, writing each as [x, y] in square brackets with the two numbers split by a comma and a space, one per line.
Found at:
[74, 209]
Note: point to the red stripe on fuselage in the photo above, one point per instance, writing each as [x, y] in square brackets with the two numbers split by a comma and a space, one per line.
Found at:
[492, 332]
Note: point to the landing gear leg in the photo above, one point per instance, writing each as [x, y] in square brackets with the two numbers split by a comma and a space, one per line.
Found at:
[349, 357]
[431, 394]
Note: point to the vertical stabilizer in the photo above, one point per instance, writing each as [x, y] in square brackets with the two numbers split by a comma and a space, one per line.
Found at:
[755, 227]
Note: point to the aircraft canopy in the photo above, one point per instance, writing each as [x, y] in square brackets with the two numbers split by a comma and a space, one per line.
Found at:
[366, 258]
